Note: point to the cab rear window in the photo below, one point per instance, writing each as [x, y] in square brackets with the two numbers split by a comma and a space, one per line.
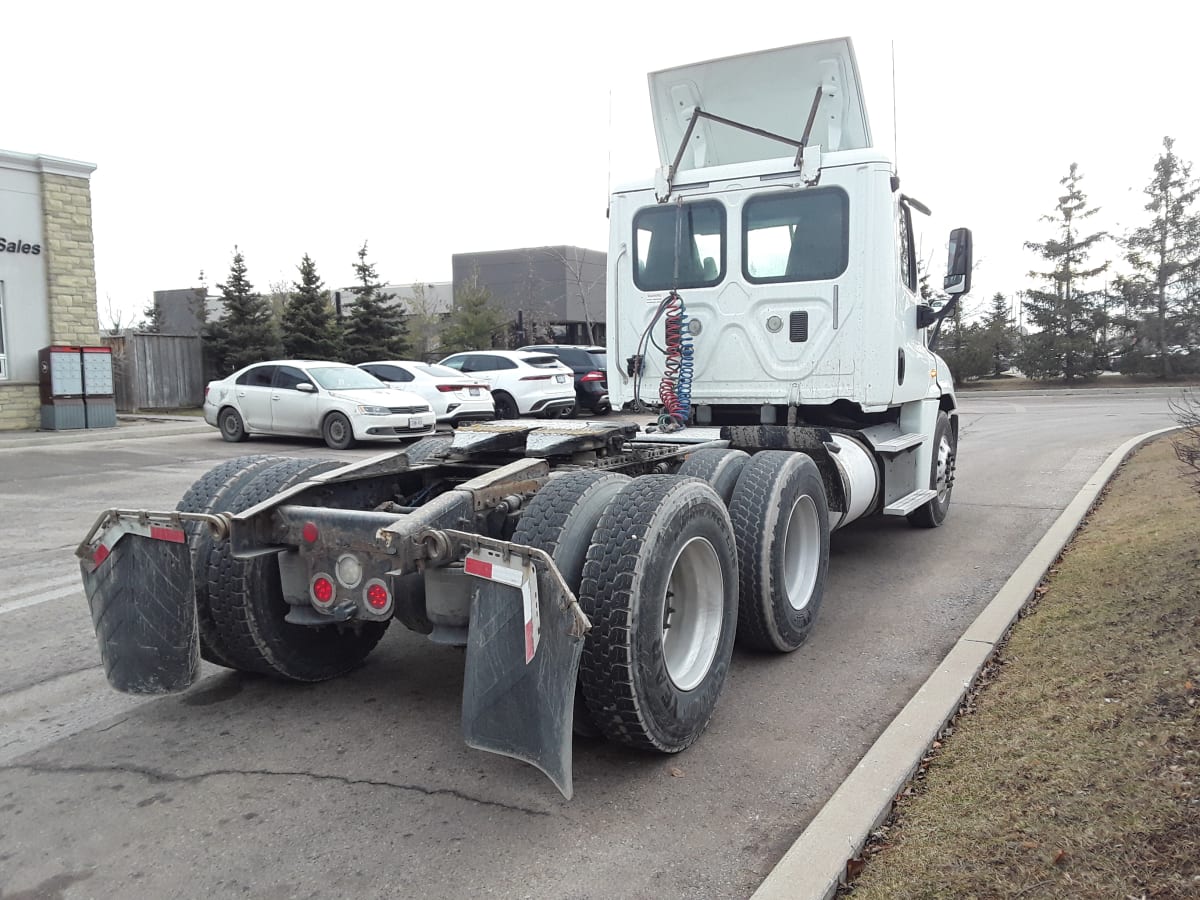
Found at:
[796, 236]
[679, 246]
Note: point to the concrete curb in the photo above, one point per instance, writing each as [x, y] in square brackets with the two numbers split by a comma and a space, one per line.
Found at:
[814, 866]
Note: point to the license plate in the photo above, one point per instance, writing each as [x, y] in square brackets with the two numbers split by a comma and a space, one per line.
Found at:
[418, 422]
[474, 392]
[560, 378]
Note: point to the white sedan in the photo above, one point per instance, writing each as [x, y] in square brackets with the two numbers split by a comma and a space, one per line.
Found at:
[334, 401]
[455, 397]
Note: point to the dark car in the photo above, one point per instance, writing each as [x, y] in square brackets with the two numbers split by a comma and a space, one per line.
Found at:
[590, 365]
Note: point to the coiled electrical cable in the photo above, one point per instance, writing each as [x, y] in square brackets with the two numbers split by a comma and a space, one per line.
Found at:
[675, 388]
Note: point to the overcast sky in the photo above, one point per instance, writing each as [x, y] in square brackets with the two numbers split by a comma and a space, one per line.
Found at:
[431, 129]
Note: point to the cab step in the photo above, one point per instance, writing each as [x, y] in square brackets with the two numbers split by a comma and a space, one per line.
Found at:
[910, 502]
[900, 443]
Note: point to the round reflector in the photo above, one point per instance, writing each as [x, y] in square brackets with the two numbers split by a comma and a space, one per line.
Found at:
[310, 533]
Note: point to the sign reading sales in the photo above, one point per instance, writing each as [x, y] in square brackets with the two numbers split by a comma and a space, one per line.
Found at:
[19, 246]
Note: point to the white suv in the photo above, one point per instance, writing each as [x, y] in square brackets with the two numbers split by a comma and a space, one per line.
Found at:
[523, 384]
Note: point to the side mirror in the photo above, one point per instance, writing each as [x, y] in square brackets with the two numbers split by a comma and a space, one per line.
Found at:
[306, 387]
[958, 263]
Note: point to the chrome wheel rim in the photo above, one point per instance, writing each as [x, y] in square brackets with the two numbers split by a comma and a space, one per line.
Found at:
[693, 610]
[943, 480]
[801, 552]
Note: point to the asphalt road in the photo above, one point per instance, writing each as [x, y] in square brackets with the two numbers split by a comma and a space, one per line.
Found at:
[362, 787]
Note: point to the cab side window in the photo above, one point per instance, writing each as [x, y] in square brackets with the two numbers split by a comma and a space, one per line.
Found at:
[905, 248]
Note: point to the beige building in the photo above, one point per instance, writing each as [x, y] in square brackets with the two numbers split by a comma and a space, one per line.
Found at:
[47, 273]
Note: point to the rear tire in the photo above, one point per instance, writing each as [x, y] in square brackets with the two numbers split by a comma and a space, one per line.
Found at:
[233, 429]
[941, 476]
[561, 520]
[781, 520]
[506, 406]
[248, 606]
[210, 495]
[660, 587]
[337, 431]
[720, 468]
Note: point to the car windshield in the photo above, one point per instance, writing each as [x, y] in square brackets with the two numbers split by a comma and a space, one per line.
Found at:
[344, 378]
[543, 362]
[599, 360]
[439, 371]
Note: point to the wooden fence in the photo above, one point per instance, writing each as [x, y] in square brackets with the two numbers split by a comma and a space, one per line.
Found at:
[156, 371]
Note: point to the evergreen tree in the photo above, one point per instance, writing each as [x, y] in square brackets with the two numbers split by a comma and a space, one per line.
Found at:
[247, 332]
[474, 324]
[1165, 258]
[310, 330]
[998, 334]
[375, 328]
[1064, 311]
[153, 321]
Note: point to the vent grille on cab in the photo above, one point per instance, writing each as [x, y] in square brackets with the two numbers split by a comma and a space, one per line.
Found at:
[798, 327]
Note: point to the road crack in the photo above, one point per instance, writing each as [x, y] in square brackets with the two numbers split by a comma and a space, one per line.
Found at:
[156, 776]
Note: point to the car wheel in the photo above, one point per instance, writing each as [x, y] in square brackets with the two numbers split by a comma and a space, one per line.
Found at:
[506, 406]
[232, 427]
[337, 432]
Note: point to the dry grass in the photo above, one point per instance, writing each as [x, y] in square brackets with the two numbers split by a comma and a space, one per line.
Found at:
[1077, 771]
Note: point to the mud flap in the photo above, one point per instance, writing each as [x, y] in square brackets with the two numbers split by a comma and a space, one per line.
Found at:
[143, 600]
[522, 664]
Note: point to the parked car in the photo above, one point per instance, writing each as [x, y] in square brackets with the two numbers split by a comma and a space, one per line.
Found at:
[590, 365]
[455, 397]
[523, 384]
[334, 401]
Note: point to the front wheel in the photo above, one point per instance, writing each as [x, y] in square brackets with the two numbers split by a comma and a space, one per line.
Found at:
[660, 587]
[338, 433]
[941, 476]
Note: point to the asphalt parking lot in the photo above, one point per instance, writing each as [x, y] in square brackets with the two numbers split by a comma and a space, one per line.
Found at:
[363, 786]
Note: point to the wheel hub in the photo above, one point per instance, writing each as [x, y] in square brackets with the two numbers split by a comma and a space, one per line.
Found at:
[692, 613]
[801, 552]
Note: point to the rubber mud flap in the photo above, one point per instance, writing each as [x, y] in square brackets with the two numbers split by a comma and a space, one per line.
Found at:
[518, 709]
[143, 602]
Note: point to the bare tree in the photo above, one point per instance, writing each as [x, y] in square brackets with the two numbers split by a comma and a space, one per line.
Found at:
[424, 320]
[575, 260]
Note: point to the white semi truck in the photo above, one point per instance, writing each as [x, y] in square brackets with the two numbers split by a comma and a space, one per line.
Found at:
[762, 296]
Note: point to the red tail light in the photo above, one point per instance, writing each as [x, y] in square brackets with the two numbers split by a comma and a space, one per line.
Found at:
[593, 376]
[377, 595]
[206, 392]
[537, 377]
[451, 388]
[322, 590]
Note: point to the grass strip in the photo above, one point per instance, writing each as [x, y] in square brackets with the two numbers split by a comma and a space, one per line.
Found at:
[1073, 768]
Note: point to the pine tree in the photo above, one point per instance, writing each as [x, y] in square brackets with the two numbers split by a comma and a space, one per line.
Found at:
[1064, 310]
[1165, 257]
[153, 321]
[474, 323]
[247, 332]
[310, 330]
[998, 334]
[375, 328]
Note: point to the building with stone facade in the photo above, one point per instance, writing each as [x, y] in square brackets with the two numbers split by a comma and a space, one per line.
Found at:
[47, 273]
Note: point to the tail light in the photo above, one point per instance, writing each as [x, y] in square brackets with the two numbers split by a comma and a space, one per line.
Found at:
[321, 589]
[206, 391]
[377, 595]
[451, 388]
[593, 376]
[537, 377]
